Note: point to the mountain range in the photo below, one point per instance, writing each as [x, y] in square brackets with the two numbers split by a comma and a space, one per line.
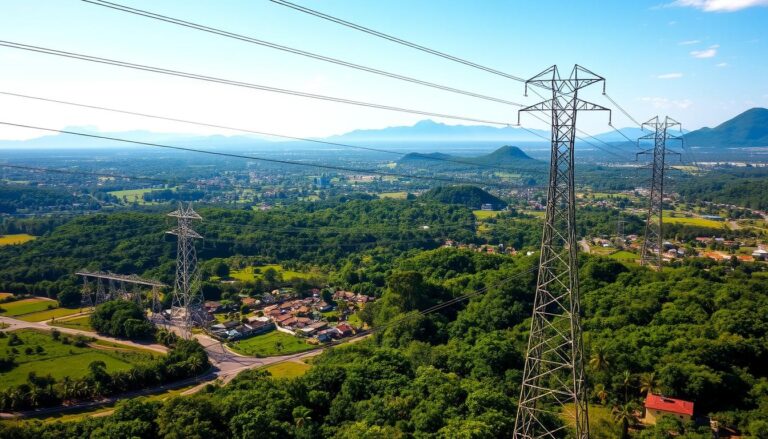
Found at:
[748, 129]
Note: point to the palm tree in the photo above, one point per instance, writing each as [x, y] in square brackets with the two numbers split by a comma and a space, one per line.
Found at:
[649, 383]
[195, 364]
[601, 393]
[599, 360]
[625, 415]
[301, 416]
[626, 380]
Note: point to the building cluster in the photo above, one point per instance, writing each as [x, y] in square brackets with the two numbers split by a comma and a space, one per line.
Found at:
[482, 248]
[283, 311]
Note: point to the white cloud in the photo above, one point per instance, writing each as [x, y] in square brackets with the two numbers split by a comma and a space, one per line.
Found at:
[722, 64]
[706, 53]
[688, 42]
[661, 102]
[674, 75]
[719, 5]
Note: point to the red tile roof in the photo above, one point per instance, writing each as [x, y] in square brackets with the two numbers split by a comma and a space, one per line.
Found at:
[677, 406]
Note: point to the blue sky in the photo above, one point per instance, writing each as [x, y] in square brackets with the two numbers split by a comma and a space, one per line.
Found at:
[699, 61]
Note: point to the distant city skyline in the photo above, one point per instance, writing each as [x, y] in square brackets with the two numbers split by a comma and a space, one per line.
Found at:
[699, 61]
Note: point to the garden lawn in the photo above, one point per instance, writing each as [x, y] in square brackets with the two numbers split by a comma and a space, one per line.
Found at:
[48, 314]
[82, 323]
[289, 369]
[61, 360]
[21, 238]
[26, 306]
[267, 345]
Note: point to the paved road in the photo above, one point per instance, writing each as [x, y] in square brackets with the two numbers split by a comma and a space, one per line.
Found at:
[226, 364]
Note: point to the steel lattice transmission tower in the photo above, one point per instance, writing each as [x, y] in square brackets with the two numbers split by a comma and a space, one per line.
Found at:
[652, 247]
[187, 304]
[554, 365]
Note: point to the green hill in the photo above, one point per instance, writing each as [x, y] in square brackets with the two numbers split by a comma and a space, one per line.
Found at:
[470, 196]
[749, 128]
[509, 156]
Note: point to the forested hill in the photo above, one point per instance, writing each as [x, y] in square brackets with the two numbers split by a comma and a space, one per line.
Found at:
[465, 195]
[321, 234]
[693, 332]
[507, 156]
[749, 128]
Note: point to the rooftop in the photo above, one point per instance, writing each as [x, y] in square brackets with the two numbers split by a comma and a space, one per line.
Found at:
[671, 405]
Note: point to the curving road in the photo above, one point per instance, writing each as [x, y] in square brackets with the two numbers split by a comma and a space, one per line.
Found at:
[226, 364]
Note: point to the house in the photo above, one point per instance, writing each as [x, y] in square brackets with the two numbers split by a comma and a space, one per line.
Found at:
[657, 406]
[327, 334]
[250, 302]
[760, 255]
[345, 329]
[324, 306]
[486, 206]
[212, 306]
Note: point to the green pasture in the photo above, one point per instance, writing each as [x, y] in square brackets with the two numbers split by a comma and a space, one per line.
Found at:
[60, 360]
[26, 306]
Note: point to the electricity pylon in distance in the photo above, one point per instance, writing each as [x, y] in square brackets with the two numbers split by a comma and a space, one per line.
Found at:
[652, 247]
[187, 303]
[553, 377]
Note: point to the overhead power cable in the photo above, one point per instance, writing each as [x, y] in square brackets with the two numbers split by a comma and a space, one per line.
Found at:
[395, 39]
[224, 33]
[262, 133]
[269, 160]
[424, 49]
[213, 79]
[406, 317]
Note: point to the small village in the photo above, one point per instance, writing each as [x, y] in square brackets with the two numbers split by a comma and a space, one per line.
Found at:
[312, 318]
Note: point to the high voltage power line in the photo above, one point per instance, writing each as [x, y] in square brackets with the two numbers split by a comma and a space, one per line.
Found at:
[240, 37]
[245, 130]
[442, 55]
[395, 39]
[224, 33]
[213, 79]
[270, 160]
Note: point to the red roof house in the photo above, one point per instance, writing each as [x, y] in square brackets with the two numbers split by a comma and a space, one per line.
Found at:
[657, 406]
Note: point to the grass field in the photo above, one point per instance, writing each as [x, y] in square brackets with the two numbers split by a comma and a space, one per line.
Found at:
[134, 195]
[4, 295]
[288, 369]
[624, 256]
[82, 323]
[485, 214]
[251, 273]
[395, 195]
[61, 360]
[21, 238]
[48, 314]
[267, 345]
[27, 306]
[597, 414]
[699, 222]
[535, 213]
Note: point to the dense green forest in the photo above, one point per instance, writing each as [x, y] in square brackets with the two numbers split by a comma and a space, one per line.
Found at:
[746, 188]
[469, 196]
[14, 198]
[696, 332]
